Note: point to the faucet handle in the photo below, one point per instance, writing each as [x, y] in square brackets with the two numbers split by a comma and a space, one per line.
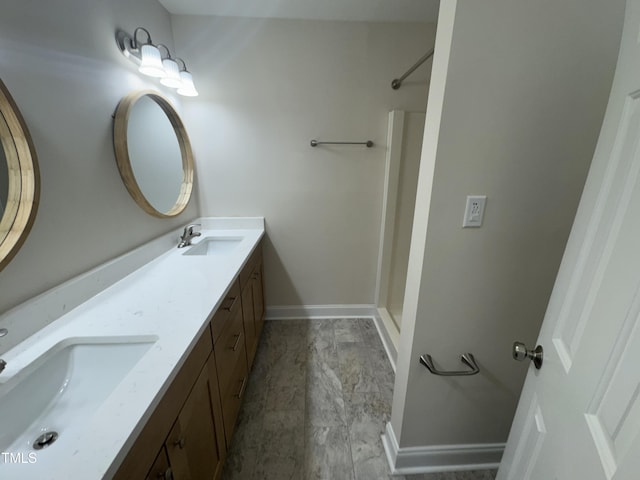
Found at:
[189, 228]
[3, 332]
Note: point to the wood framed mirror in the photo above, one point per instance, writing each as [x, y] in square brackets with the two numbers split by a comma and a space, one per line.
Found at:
[19, 179]
[153, 153]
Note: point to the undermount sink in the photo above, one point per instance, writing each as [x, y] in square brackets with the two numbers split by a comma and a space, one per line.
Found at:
[57, 393]
[214, 246]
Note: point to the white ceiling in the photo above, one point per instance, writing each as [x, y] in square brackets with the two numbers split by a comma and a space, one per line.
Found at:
[351, 10]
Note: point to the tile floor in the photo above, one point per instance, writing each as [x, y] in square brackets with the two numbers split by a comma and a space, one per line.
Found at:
[317, 401]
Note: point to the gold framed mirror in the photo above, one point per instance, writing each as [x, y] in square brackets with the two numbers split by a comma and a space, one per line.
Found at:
[19, 179]
[153, 153]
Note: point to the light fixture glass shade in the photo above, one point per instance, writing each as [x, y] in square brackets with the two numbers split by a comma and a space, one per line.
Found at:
[187, 88]
[171, 74]
[151, 62]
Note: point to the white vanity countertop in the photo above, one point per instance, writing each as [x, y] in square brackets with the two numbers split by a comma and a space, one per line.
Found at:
[170, 298]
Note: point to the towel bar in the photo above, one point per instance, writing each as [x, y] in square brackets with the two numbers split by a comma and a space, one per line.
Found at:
[315, 143]
[466, 358]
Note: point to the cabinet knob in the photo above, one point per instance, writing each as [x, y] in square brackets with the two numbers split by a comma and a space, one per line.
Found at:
[237, 342]
[167, 475]
[180, 443]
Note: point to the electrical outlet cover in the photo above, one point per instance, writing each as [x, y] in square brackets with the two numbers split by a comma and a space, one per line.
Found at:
[474, 211]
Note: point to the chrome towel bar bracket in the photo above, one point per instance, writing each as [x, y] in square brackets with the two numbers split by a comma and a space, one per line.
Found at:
[315, 143]
[397, 82]
[466, 358]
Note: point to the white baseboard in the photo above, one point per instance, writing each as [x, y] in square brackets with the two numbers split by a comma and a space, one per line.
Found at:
[389, 334]
[387, 340]
[439, 458]
[287, 312]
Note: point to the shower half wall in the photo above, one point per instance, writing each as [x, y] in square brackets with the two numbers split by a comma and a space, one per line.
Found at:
[404, 140]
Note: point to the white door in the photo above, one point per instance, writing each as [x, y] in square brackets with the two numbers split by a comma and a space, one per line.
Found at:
[579, 415]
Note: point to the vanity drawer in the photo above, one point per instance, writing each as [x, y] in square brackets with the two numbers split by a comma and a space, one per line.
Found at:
[230, 349]
[232, 398]
[228, 306]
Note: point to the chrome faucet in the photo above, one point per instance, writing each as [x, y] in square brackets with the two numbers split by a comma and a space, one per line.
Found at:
[188, 234]
[3, 332]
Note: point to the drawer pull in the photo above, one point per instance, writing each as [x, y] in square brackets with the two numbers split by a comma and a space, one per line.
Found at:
[235, 345]
[180, 443]
[241, 391]
[229, 303]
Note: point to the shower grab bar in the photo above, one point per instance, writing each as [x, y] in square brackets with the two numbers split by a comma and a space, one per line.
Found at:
[395, 84]
[315, 143]
[466, 358]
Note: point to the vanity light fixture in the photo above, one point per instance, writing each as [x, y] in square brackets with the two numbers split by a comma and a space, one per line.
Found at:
[188, 89]
[152, 63]
[171, 76]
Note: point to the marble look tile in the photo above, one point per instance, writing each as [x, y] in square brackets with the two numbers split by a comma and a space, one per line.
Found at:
[249, 426]
[366, 416]
[348, 330]
[368, 328]
[318, 397]
[327, 454]
[322, 349]
[240, 463]
[292, 423]
[281, 453]
[356, 371]
[284, 398]
[287, 367]
[276, 468]
[367, 408]
[324, 399]
[286, 464]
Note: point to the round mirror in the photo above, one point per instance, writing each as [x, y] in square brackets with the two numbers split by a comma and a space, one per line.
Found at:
[19, 179]
[153, 153]
[4, 182]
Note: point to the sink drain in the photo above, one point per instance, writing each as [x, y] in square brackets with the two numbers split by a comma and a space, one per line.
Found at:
[44, 440]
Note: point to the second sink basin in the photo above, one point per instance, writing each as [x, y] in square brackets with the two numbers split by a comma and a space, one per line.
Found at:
[214, 246]
[60, 391]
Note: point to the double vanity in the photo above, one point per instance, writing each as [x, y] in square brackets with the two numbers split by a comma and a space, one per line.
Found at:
[136, 369]
[145, 378]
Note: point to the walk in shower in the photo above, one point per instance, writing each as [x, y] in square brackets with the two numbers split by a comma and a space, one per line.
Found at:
[404, 145]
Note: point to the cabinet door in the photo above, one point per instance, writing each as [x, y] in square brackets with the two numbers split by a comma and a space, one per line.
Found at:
[232, 398]
[160, 469]
[258, 300]
[192, 445]
[251, 337]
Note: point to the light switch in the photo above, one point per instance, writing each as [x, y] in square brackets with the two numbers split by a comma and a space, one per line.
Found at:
[474, 211]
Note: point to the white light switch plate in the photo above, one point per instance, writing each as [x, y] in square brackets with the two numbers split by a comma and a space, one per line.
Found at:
[474, 211]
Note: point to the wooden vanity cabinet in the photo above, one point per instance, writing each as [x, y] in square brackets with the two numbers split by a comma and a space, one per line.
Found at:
[231, 359]
[252, 302]
[190, 430]
[236, 328]
[184, 436]
[192, 443]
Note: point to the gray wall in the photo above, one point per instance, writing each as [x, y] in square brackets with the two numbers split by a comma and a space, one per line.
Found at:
[60, 62]
[517, 98]
[267, 88]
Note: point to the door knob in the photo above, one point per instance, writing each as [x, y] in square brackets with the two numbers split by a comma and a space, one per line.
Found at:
[521, 353]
